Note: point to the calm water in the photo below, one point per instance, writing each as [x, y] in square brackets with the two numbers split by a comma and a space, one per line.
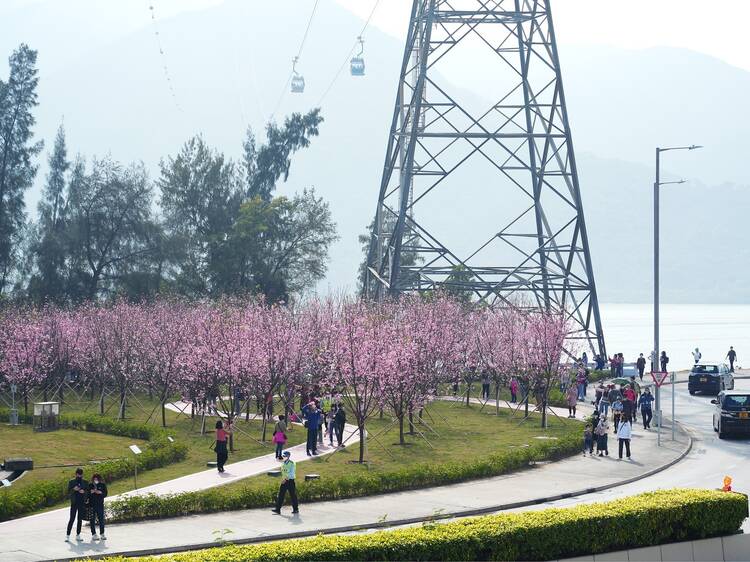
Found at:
[628, 328]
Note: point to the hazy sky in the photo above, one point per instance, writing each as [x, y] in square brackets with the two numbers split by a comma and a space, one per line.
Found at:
[715, 28]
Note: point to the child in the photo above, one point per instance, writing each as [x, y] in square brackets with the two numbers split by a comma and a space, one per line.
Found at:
[588, 440]
[601, 437]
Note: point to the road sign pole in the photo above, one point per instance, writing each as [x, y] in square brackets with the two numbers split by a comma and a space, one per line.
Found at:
[673, 422]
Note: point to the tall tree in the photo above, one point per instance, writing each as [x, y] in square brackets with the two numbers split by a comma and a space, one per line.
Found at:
[278, 247]
[18, 98]
[264, 166]
[200, 199]
[48, 280]
[113, 234]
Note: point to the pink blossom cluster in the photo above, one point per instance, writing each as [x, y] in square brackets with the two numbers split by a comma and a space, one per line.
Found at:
[391, 355]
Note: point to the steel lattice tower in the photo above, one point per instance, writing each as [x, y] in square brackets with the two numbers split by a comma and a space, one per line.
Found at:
[457, 160]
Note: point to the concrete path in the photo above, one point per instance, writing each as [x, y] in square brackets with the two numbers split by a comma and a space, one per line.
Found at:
[41, 537]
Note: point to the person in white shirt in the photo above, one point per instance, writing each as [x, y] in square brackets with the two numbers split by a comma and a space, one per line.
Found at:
[624, 433]
[697, 355]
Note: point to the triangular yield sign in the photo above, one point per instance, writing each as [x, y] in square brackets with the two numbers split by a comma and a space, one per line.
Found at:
[659, 377]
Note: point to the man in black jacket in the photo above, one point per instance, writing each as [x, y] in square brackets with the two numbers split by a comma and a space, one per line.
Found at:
[77, 490]
[339, 421]
[97, 493]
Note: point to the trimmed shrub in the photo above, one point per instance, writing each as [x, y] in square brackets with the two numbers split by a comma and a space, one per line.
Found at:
[159, 452]
[644, 520]
[353, 485]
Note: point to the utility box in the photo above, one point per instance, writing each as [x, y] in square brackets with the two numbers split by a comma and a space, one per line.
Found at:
[46, 416]
[13, 418]
[21, 463]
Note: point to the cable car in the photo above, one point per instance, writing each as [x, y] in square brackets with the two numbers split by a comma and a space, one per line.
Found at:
[357, 62]
[298, 81]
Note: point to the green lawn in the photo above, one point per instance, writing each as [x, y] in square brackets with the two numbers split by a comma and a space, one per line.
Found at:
[63, 447]
[456, 433]
[56, 447]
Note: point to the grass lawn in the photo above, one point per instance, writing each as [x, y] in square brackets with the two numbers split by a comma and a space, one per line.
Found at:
[56, 447]
[63, 447]
[457, 433]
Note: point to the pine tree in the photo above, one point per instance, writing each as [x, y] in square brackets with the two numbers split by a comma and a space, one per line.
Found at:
[18, 98]
[49, 247]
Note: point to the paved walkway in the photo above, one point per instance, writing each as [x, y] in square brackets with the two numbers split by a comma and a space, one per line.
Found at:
[41, 537]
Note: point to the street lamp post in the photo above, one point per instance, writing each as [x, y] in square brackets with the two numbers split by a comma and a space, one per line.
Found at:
[656, 357]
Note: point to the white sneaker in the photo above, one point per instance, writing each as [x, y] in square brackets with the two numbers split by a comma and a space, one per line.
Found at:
[67, 538]
[103, 537]
[79, 538]
[94, 537]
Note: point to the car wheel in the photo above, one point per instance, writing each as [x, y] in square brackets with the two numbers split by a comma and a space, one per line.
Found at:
[721, 433]
[692, 392]
[713, 425]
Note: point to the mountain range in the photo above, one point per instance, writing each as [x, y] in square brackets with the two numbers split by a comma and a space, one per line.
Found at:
[102, 73]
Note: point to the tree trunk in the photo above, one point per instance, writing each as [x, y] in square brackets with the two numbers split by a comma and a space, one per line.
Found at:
[122, 404]
[411, 422]
[468, 394]
[247, 410]
[401, 429]
[544, 413]
[101, 400]
[497, 399]
[362, 443]
[163, 414]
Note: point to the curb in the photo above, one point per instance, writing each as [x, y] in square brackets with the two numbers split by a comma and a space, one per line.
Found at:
[401, 522]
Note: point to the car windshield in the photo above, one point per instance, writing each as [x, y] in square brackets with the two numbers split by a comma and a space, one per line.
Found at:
[706, 369]
[736, 401]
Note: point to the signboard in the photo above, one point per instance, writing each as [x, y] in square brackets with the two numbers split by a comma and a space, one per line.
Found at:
[659, 377]
[135, 449]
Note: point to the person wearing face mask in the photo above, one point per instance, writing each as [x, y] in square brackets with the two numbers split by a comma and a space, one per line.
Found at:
[97, 493]
[77, 490]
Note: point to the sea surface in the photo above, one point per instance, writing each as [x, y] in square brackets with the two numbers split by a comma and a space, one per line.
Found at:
[629, 329]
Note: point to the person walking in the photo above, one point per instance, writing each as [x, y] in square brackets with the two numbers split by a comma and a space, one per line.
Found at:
[624, 433]
[572, 399]
[585, 360]
[97, 493]
[331, 427]
[641, 365]
[601, 437]
[588, 440]
[663, 360]
[288, 476]
[77, 490]
[485, 386]
[617, 409]
[279, 435]
[222, 435]
[604, 402]
[732, 356]
[697, 355]
[312, 422]
[581, 383]
[513, 390]
[339, 422]
[598, 394]
[645, 404]
[629, 402]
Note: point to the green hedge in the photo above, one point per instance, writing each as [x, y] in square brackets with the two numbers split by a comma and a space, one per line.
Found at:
[159, 452]
[644, 520]
[354, 485]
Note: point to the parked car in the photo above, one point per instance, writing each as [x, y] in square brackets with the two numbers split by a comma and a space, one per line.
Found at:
[710, 378]
[732, 413]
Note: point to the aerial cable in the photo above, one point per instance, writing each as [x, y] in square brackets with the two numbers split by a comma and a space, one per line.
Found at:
[165, 69]
[299, 54]
[347, 59]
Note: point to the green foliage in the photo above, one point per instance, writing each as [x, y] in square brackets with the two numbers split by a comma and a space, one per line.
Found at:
[18, 97]
[648, 519]
[348, 486]
[159, 452]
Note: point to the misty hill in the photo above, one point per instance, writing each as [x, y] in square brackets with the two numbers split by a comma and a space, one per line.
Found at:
[229, 65]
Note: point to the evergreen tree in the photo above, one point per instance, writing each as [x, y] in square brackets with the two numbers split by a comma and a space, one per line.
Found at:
[18, 98]
[49, 248]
